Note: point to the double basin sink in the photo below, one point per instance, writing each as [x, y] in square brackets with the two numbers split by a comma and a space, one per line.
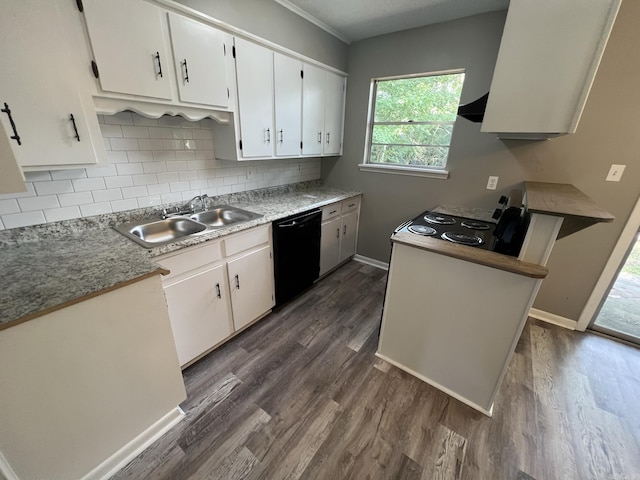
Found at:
[153, 233]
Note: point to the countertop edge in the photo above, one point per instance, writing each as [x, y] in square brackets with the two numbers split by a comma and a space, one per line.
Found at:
[82, 298]
[563, 200]
[473, 255]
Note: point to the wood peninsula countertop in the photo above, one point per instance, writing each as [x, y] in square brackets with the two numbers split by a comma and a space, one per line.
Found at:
[564, 200]
[472, 254]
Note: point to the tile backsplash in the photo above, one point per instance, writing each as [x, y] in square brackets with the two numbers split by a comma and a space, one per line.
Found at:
[149, 162]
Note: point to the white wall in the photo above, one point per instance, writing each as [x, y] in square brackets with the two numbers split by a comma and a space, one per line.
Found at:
[150, 162]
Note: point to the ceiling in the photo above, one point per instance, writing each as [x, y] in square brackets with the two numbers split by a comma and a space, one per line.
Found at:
[353, 20]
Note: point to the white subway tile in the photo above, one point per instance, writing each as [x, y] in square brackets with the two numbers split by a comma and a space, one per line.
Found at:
[143, 121]
[160, 132]
[146, 179]
[124, 144]
[215, 182]
[139, 157]
[201, 145]
[188, 155]
[107, 195]
[100, 118]
[150, 201]
[179, 186]
[95, 209]
[169, 121]
[154, 167]
[9, 205]
[58, 214]
[162, 156]
[251, 186]
[202, 134]
[129, 168]
[70, 199]
[189, 194]
[38, 203]
[212, 192]
[176, 165]
[189, 144]
[37, 176]
[196, 165]
[149, 144]
[187, 175]
[68, 174]
[111, 131]
[205, 154]
[86, 184]
[122, 118]
[224, 190]
[173, 197]
[181, 133]
[230, 180]
[16, 220]
[168, 177]
[132, 192]
[107, 171]
[205, 174]
[173, 144]
[117, 182]
[117, 157]
[53, 187]
[241, 187]
[122, 205]
[135, 132]
[198, 184]
[159, 189]
[107, 144]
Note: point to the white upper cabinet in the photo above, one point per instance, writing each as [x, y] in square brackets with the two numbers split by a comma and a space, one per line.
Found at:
[322, 111]
[548, 58]
[47, 115]
[288, 105]
[254, 71]
[130, 47]
[199, 59]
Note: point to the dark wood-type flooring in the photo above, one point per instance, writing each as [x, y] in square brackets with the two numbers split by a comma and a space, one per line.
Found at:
[301, 395]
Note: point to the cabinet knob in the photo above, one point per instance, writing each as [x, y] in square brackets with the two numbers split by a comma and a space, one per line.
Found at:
[15, 135]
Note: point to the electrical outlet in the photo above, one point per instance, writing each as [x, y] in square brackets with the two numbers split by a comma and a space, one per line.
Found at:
[492, 184]
[615, 173]
[251, 173]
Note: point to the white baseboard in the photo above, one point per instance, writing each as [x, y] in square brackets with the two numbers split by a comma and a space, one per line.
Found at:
[136, 446]
[371, 261]
[553, 318]
[6, 470]
[475, 406]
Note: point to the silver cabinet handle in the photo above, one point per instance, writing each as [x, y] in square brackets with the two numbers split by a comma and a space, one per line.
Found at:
[337, 232]
[268, 136]
[281, 135]
[319, 137]
[218, 294]
[328, 137]
[344, 232]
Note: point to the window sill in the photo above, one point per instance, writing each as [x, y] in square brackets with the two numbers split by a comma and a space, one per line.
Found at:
[403, 170]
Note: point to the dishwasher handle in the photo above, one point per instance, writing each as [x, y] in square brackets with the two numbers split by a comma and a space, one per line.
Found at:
[299, 221]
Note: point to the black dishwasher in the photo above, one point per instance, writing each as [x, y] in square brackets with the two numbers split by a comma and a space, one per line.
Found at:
[296, 246]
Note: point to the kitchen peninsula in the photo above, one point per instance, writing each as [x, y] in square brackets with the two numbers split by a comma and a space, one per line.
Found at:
[453, 314]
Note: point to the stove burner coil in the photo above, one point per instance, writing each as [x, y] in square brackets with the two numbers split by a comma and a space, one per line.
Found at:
[421, 229]
[462, 238]
[475, 225]
[439, 219]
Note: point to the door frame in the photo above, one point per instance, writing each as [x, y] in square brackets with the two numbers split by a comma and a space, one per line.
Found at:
[610, 271]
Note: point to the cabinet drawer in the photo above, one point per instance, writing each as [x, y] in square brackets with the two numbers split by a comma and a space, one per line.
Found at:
[190, 259]
[330, 211]
[246, 240]
[350, 204]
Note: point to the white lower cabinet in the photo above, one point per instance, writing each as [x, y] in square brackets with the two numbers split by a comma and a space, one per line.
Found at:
[199, 312]
[339, 233]
[218, 288]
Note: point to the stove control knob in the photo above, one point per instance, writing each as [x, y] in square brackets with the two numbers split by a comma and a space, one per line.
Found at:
[496, 214]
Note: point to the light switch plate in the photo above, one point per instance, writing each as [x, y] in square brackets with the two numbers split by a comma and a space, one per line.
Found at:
[615, 173]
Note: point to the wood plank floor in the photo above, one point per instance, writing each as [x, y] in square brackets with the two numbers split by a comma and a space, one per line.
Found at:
[301, 395]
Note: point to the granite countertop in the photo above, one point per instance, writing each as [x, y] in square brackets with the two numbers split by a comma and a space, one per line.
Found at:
[51, 266]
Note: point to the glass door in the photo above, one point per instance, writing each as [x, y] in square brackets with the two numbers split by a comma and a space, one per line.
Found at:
[619, 314]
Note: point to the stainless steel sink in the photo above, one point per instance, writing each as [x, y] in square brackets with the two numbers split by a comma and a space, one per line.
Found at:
[223, 216]
[159, 232]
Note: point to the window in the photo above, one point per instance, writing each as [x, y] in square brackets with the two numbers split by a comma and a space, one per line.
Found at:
[411, 121]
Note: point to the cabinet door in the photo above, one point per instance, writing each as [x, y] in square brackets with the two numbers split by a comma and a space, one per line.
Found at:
[349, 234]
[254, 72]
[334, 113]
[312, 110]
[199, 312]
[252, 286]
[330, 244]
[37, 91]
[288, 104]
[130, 47]
[199, 58]
[11, 180]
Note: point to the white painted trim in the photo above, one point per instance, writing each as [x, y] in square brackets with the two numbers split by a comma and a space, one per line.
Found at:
[553, 318]
[6, 470]
[402, 170]
[371, 261]
[610, 270]
[488, 413]
[136, 446]
[310, 18]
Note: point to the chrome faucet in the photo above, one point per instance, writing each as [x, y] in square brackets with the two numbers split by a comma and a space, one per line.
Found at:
[188, 208]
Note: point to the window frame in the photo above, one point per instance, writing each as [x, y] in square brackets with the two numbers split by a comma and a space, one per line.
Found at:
[410, 170]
